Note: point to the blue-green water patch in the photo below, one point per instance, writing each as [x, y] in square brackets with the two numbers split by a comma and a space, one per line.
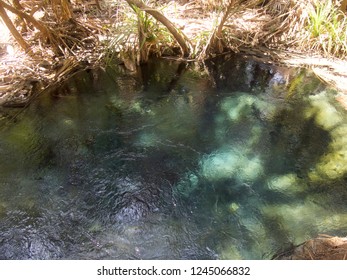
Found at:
[233, 159]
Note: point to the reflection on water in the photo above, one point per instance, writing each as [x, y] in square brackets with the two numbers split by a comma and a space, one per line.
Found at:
[233, 159]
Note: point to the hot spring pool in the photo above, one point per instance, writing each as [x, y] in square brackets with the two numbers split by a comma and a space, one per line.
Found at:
[233, 159]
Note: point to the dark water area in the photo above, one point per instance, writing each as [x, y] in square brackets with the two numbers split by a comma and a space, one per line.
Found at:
[231, 159]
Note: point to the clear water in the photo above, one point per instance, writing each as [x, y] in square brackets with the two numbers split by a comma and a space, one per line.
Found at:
[233, 159]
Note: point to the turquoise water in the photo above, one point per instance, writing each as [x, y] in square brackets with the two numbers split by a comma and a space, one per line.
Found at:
[231, 159]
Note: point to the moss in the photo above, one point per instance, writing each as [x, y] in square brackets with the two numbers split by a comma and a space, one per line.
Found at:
[22, 135]
[231, 163]
[326, 114]
[230, 253]
[288, 184]
[261, 242]
[255, 135]
[220, 165]
[333, 164]
[305, 219]
[250, 169]
[242, 105]
[147, 139]
[187, 185]
[3, 209]
[95, 227]
[297, 220]
[237, 107]
[233, 207]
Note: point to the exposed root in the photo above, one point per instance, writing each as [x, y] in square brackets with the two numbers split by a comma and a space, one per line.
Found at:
[91, 30]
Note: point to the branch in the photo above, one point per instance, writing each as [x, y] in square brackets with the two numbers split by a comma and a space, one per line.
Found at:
[29, 18]
[13, 29]
[215, 38]
[181, 39]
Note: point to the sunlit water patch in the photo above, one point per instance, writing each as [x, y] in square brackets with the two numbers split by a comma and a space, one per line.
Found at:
[233, 159]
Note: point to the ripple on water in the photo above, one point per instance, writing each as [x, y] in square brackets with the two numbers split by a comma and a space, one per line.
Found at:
[179, 165]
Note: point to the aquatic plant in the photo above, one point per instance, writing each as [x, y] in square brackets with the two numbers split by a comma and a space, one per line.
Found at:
[288, 184]
[333, 164]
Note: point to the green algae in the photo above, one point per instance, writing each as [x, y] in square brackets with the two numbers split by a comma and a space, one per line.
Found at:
[240, 171]
[328, 115]
[288, 184]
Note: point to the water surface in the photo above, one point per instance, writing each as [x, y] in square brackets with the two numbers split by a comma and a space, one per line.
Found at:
[233, 159]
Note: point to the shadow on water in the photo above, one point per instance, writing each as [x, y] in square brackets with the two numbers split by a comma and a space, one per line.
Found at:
[231, 159]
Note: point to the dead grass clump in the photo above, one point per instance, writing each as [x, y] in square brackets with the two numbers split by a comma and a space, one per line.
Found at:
[303, 25]
[213, 5]
[287, 26]
[58, 48]
[323, 247]
[308, 25]
[273, 23]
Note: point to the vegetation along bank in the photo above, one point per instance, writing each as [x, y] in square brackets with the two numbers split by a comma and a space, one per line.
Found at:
[45, 42]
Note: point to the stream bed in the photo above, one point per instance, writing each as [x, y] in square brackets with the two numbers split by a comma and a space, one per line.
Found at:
[230, 159]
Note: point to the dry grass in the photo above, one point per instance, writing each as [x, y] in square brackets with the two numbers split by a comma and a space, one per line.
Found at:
[72, 45]
[301, 25]
[323, 247]
[310, 26]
